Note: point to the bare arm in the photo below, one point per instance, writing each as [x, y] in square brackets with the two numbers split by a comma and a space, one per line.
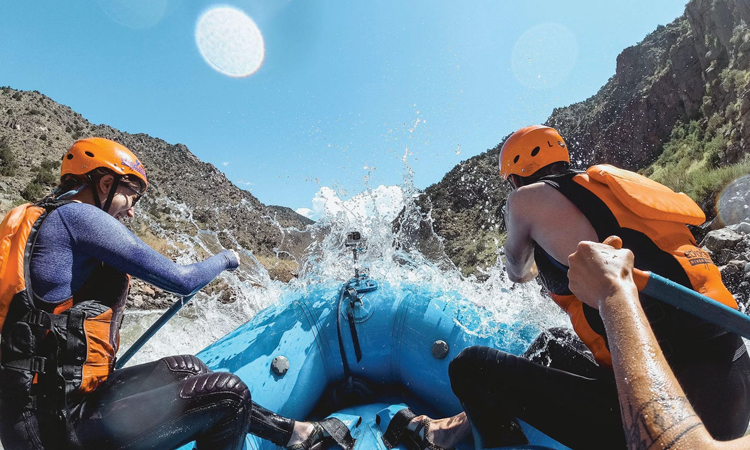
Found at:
[519, 247]
[655, 411]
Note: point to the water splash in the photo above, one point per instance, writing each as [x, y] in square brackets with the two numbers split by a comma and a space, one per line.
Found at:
[394, 251]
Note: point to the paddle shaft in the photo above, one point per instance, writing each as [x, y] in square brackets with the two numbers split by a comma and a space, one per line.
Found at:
[164, 318]
[693, 302]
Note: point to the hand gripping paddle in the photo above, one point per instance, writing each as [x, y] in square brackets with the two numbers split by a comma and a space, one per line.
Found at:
[680, 297]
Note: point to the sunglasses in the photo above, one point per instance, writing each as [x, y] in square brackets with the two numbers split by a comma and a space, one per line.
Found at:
[137, 193]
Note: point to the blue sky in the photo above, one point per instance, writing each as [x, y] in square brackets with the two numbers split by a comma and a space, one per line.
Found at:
[345, 88]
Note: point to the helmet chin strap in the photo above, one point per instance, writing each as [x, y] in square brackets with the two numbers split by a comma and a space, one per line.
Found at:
[112, 192]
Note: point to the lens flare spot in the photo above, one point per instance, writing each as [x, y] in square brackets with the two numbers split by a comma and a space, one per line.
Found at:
[230, 42]
[733, 205]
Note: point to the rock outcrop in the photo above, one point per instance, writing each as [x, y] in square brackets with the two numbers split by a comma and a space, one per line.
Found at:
[186, 196]
[677, 104]
[691, 69]
[730, 249]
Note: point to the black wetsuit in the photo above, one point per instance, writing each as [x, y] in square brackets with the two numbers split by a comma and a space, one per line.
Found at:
[158, 405]
[558, 388]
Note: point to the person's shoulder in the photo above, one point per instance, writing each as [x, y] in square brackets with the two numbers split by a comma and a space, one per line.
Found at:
[531, 191]
[80, 211]
[536, 199]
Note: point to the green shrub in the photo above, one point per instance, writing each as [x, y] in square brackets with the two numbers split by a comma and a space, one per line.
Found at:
[703, 184]
[713, 123]
[33, 191]
[692, 163]
[46, 173]
[713, 159]
[8, 164]
[50, 165]
[46, 178]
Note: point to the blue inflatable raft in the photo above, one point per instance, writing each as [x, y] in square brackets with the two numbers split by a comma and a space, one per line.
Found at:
[360, 352]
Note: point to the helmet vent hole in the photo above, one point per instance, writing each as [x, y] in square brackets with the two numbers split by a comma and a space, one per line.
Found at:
[535, 151]
[515, 160]
[70, 156]
[90, 154]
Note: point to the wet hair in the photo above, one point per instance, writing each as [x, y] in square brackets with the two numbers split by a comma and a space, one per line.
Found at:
[556, 168]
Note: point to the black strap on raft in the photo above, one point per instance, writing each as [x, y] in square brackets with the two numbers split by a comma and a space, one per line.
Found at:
[351, 390]
[339, 433]
[342, 350]
[351, 293]
[397, 431]
[353, 299]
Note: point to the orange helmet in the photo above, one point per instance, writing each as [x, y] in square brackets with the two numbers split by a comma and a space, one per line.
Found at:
[531, 148]
[93, 153]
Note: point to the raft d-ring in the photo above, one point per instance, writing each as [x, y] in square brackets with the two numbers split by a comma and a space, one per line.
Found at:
[280, 366]
[440, 349]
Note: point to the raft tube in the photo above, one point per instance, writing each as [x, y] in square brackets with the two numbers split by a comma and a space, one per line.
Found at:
[360, 352]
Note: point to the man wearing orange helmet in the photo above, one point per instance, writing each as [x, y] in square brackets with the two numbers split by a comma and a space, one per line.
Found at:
[65, 266]
[563, 385]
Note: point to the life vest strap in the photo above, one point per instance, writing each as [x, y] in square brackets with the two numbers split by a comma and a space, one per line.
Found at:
[39, 318]
[34, 364]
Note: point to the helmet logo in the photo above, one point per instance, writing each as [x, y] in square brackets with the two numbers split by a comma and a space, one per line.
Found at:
[136, 166]
[531, 168]
[561, 143]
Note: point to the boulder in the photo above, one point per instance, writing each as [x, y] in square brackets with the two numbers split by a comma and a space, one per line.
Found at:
[724, 238]
[732, 275]
[742, 227]
[724, 256]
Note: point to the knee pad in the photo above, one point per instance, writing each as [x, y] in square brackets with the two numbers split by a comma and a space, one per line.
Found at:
[189, 364]
[218, 386]
[224, 397]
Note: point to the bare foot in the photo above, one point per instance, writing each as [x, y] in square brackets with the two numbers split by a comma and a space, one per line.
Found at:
[445, 433]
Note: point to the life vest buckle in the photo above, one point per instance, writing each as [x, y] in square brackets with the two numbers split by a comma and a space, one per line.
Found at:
[39, 318]
[38, 364]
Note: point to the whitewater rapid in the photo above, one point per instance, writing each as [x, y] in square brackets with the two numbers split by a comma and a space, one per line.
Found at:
[387, 256]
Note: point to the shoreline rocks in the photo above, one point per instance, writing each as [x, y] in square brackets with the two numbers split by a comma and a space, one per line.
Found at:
[729, 247]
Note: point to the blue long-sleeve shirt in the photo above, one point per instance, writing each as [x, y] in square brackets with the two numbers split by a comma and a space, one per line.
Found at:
[76, 237]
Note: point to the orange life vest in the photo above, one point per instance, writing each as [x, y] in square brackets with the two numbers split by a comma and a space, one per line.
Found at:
[66, 347]
[651, 219]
